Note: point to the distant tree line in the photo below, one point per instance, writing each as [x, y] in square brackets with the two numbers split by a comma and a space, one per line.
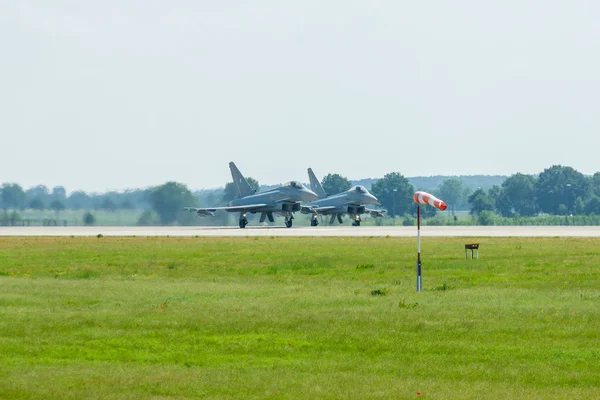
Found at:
[13, 196]
[432, 183]
[161, 204]
[558, 190]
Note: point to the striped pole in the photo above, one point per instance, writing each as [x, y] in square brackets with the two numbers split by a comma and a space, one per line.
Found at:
[419, 269]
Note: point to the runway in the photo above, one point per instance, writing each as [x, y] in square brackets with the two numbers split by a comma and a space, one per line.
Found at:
[325, 231]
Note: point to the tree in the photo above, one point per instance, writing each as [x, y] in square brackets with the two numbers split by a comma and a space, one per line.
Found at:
[231, 191]
[335, 183]
[57, 206]
[37, 204]
[59, 193]
[451, 192]
[39, 192]
[560, 185]
[108, 204]
[595, 184]
[169, 199]
[481, 201]
[579, 206]
[397, 202]
[520, 193]
[127, 205]
[12, 196]
[592, 206]
[500, 200]
[78, 200]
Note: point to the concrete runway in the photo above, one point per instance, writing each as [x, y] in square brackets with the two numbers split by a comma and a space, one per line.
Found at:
[325, 231]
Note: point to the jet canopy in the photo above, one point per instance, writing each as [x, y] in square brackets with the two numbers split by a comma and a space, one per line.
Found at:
[294, 185]
[359, 189]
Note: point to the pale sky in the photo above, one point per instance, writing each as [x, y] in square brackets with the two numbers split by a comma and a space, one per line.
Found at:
[104, 95]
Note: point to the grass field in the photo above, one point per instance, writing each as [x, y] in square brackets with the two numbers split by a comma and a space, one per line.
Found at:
[75, 217]
[298, 318]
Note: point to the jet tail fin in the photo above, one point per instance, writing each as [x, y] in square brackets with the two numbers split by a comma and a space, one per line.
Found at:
[315, 185]
[241, 184]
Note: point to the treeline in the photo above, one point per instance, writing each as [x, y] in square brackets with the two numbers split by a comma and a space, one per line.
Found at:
[432, 183]
[13, 196]
[557, 191]
[517, 199]
[160, 205]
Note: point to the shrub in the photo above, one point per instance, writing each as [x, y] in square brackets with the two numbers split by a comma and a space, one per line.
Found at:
[404, 304]
[365, 266]
[89, 219]
[442, 288]
[486, 218]
[408, 221]
[14, 217]
[379, 292]
[148, 218]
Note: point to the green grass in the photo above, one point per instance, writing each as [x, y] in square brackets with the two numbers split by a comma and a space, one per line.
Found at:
[75, 217]
[298, 318]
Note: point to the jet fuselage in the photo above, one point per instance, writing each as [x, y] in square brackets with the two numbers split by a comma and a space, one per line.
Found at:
[283, 199]
[349, 202]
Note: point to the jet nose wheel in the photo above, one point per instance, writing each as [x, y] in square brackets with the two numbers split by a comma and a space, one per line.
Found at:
[288, 222]
[243, 222]
[356, 221]
[314, 221]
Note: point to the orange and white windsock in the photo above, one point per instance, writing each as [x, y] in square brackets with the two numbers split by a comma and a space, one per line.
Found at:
[426, 198]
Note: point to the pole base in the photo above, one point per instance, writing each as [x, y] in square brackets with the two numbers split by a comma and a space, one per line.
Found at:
[419, 276]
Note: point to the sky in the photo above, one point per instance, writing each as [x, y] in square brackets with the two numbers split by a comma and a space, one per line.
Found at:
[123, 94]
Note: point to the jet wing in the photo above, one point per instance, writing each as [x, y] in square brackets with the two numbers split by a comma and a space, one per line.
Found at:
[375, 213]
[211, 211]
[316, 210]
[201, 211]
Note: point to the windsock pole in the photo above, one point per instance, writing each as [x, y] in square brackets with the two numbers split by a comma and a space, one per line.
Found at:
[419, 269]
[423, 198]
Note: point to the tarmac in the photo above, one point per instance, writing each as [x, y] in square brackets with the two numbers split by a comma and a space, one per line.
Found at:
[324, 231]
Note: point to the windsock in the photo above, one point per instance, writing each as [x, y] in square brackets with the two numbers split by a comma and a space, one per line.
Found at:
[426, 198]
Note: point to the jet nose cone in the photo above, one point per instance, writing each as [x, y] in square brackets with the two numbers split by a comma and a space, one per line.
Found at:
[372, 199]
[309, 195]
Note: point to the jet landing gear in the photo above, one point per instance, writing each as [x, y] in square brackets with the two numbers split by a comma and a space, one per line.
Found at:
[243, 221]
[314, 220]
[334, 216]
[266, 215]
[288, 221]
[356, 221]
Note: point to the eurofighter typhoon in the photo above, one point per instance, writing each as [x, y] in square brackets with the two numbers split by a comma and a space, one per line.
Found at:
[351, 202]
[284, 200]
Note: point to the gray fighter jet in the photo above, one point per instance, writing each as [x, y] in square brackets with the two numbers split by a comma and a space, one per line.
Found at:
[284, 200]
[351, 202]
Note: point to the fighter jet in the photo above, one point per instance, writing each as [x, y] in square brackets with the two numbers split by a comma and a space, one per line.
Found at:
[284, 200]
[351, 202]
